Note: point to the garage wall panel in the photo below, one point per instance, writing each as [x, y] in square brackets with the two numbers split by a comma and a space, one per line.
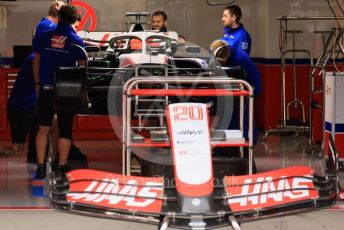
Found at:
[194, 19]
[22, 19]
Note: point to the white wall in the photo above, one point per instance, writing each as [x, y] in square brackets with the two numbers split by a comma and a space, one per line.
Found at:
[194, 19]
[22, 19]
[303, 8]
[197, 21]
[202, 24]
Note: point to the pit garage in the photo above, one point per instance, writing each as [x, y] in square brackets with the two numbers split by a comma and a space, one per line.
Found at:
[179, 114]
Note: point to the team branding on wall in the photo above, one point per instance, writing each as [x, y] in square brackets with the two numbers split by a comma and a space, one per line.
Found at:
[89, 18]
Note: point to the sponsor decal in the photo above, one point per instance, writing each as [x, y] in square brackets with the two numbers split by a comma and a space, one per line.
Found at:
[204, 64]
[114, 191]
[183, 152]
[328, 90]
[270, 189]
[185, 142]
[244, 45]
[136, 44]
[191, 132]
[58, 42]
[197, 224]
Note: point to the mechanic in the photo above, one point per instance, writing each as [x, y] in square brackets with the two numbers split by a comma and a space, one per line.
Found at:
[237, 57]
[159, 22]
[55, 48]
[22, 101]
[234, 32]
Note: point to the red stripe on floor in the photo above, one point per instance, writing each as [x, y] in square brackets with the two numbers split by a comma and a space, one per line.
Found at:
[24, 208]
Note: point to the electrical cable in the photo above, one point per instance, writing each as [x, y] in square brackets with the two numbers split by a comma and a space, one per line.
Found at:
[334, 57]
[340, 7]
[342, 10]
[334, 13]
[337, 29]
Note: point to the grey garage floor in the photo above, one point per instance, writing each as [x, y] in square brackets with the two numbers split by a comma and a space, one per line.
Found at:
[53, 220]
[276, 152]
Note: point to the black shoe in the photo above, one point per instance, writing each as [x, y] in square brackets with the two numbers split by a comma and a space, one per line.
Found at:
[64, 168]
[41, 172]
[60, 174]
[76, 155]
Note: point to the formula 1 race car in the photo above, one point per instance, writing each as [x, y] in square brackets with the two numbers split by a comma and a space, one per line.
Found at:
[173, 114]
[193, 198]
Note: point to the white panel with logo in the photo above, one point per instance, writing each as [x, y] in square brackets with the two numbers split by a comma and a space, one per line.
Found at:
[334, 110]
[191, 142]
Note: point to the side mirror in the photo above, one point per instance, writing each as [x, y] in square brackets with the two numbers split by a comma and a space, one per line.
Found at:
[193, 49]
[92, 49]
[174, 47]
[220, 3]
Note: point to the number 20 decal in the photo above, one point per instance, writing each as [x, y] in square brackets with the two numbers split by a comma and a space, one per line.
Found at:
[183, 113]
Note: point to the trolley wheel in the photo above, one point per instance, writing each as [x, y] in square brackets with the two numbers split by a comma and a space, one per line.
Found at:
[310, 151]
[341, 166]
[319, 154]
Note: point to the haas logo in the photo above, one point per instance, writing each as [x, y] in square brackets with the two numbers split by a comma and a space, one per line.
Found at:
[328, 90]
[265, 192]
[58, 42]
[111, 193]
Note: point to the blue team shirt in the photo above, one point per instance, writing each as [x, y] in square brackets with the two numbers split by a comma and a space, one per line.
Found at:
[57, 49]
[23, 95]
[238, 38]
[43, 26]
[240, 58]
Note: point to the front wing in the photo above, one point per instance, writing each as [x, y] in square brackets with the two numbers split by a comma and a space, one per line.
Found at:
[156, 201]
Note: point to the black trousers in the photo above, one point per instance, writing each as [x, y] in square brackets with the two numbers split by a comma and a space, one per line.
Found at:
[20, 122]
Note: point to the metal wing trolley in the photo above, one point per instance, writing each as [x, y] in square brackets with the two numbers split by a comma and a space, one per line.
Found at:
[131, 90]
[151, 200]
